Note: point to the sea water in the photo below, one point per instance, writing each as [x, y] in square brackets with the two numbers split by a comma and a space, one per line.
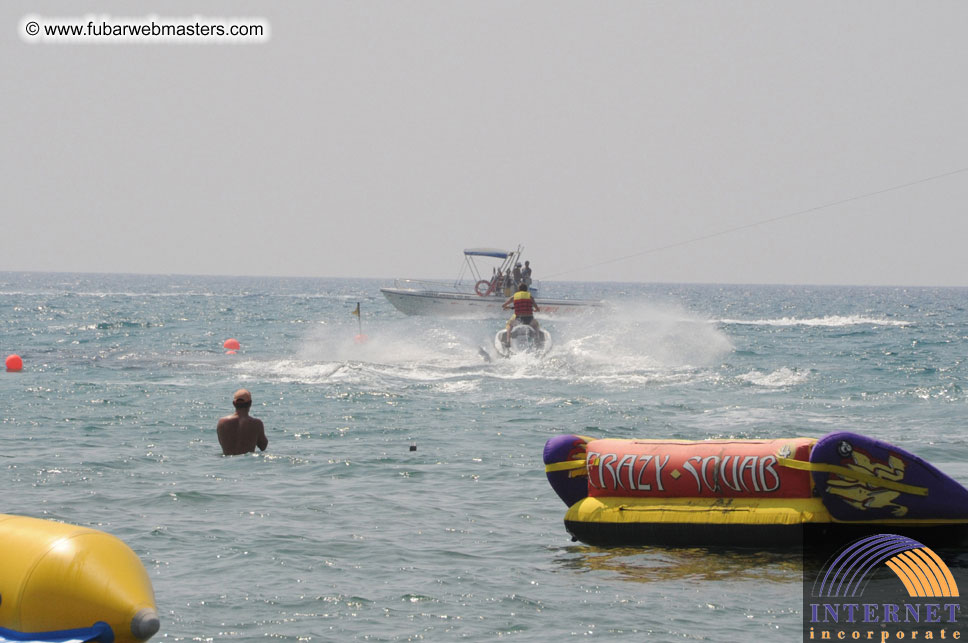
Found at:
[403, 495]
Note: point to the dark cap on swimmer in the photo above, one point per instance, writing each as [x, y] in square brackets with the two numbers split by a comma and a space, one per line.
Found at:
[242, 396]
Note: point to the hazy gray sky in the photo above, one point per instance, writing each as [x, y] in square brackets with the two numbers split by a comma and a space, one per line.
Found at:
[379, 139]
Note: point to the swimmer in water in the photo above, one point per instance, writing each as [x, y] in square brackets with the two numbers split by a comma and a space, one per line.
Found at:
[241, 433]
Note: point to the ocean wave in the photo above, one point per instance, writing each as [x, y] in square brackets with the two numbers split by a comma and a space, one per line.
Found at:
[289, 370]
[101, 294]
[458, 386]
[779, 378]
[626, 381]
[833, 321]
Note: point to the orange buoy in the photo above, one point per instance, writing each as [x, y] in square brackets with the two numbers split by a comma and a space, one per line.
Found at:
[230, 352]
[14, 363]
[232, 344]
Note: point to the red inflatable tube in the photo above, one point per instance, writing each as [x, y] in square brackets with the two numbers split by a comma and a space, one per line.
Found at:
[709, 469]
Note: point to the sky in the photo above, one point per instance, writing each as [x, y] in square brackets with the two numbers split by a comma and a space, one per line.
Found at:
[820, 142]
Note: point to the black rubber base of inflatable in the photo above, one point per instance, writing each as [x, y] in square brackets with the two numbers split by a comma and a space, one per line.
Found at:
[756, 536]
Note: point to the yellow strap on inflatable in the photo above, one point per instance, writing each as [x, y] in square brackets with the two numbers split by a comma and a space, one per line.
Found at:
[847, 472]
[567, 465]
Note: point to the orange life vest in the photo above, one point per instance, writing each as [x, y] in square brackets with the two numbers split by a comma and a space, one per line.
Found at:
[523, 304]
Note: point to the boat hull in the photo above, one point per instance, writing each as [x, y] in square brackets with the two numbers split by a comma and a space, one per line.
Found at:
[457, 304]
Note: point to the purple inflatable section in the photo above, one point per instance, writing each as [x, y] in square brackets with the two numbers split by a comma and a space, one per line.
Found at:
[912, 488]
[563, 448]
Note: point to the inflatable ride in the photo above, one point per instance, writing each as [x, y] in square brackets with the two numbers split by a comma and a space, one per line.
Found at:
[524, 340]
[61, 582]
[748, 493]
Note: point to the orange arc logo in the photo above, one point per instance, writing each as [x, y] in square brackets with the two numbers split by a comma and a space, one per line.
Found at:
[924, 574]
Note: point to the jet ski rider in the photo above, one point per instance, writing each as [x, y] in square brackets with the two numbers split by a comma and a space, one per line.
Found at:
[524, 309]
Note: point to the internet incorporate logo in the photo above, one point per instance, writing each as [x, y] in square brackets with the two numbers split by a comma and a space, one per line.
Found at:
[839, 609]
[923, 574]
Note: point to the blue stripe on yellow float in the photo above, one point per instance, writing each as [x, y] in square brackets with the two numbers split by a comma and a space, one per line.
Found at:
[97, 633]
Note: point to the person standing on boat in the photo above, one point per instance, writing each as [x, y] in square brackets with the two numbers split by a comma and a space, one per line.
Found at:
[524, 309]
[497, 282]
[526, 274]
[516, 274]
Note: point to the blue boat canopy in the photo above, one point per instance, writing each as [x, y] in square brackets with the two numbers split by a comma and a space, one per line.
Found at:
[486, 252]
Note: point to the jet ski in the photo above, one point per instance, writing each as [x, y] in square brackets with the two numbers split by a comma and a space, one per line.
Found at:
[524, 340]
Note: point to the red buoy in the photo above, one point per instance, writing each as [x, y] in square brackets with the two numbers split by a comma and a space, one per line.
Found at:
[232, 344]
[14, 363]
[360, 339]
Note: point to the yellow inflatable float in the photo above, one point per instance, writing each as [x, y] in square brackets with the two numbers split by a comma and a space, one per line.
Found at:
[62, 582]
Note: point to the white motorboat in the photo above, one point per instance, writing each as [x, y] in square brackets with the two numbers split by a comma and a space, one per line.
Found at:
[475, 294]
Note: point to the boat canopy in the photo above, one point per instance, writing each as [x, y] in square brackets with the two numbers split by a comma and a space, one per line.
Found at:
[507, 257]
[487, 252]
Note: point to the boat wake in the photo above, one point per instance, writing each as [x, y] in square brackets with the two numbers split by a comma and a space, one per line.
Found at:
[833, 321]
[781, 378]
[391, 354]
[397, 342]
[639, 345]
